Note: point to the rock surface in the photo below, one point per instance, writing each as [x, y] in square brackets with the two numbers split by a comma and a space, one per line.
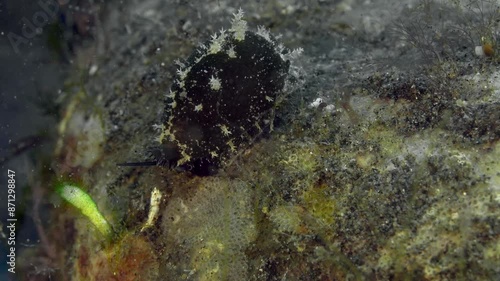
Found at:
[392, 175]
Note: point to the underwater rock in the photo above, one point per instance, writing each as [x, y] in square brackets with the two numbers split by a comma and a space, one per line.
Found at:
[209, 232]
[131, 258]
[223, 97]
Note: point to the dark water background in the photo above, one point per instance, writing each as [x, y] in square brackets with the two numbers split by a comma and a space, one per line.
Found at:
[29, 77]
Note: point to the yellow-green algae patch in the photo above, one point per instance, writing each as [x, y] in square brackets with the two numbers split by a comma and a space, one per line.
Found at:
[452, 226]
[288, 219]
[84, 203]
[320, 204]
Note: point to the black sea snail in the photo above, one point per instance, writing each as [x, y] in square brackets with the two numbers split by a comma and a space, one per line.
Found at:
[223, 97]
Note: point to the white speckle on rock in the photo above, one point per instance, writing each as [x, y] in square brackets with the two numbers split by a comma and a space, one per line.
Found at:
[316, 103]
[93, 70]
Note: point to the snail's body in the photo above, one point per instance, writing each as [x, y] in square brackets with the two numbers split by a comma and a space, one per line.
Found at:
[223, 98]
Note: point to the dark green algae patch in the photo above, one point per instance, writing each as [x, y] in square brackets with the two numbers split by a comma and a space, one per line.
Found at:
[396, 183]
